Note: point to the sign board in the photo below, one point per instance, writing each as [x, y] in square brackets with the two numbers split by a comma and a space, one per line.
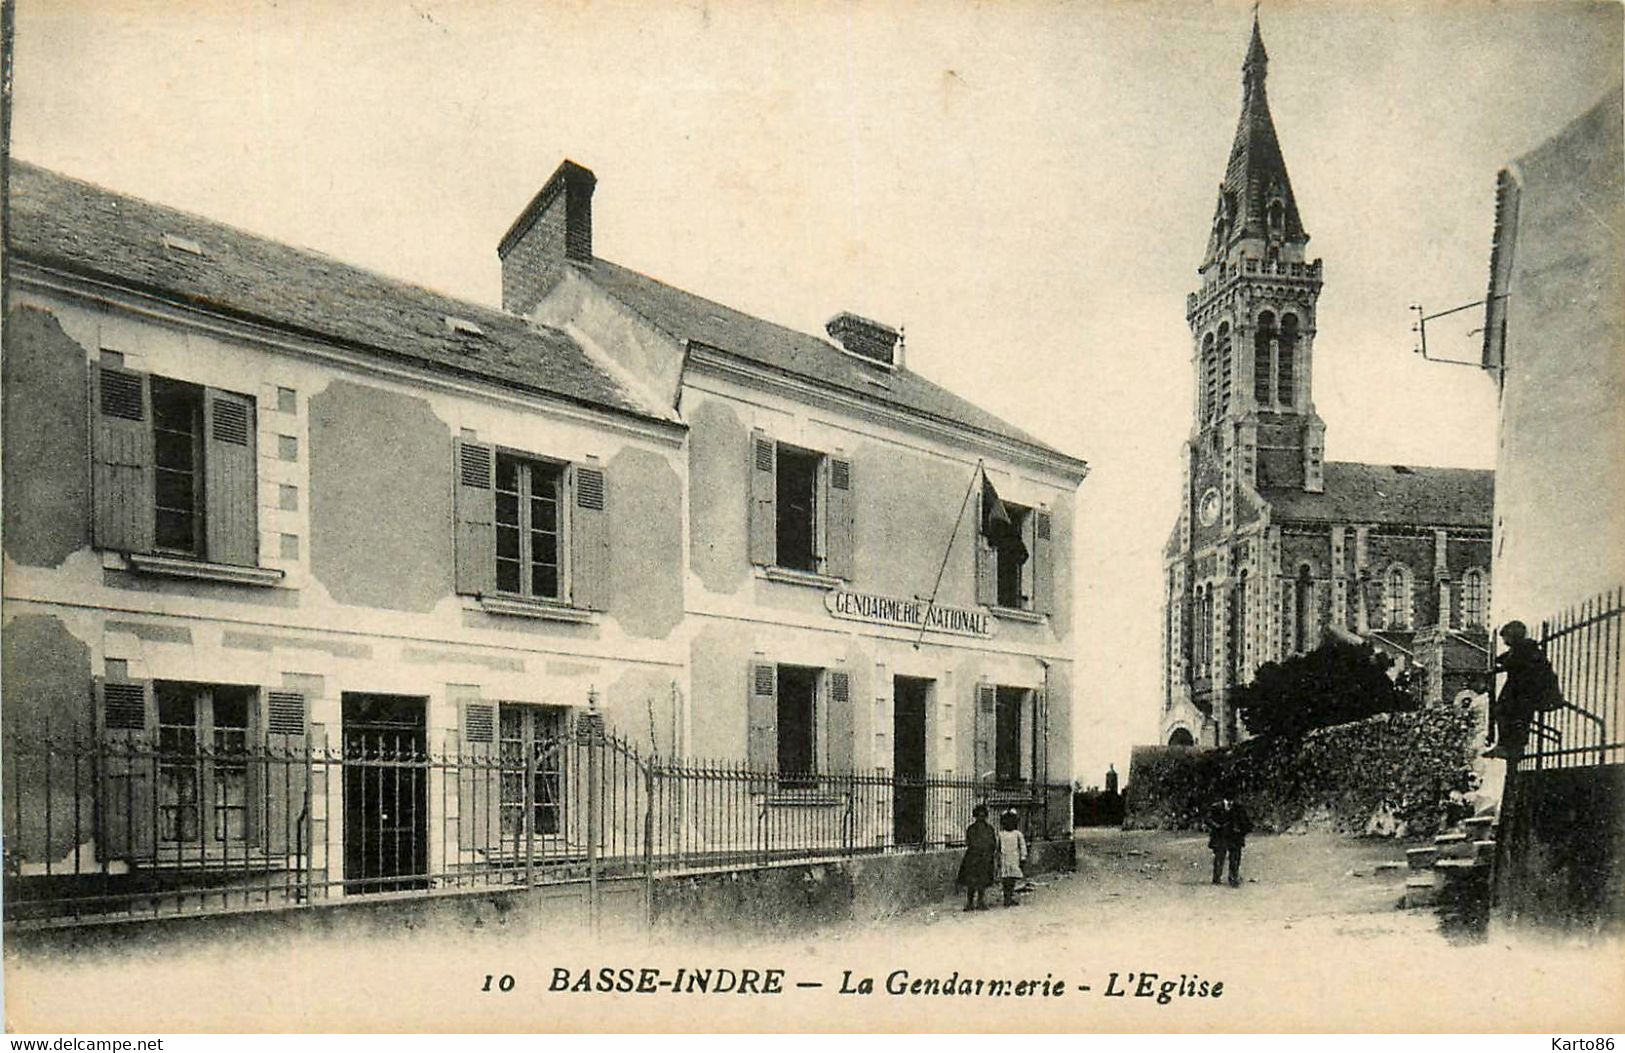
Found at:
[910, 614]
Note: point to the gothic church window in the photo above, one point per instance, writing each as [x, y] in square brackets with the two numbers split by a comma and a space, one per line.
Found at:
[1210, 379]
[1226, 368]
[1475, 599]
[1289, 349]
[1396, 599]
[1263, 359]
[1304, 589]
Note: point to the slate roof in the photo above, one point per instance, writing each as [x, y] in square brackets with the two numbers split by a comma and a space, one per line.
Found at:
[81, 227]
[685, 316]
[1392, 494]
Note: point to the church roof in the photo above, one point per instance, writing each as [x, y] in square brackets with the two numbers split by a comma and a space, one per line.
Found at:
[1256, 172]
[1391, 494]
[67, 223]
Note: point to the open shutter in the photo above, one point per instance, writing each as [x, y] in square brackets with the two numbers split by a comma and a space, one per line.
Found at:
[129, 810]
[842, 502]
[589, 540]
[232, 516]
[763, 499]
[122, 477]
[286, 775]
[1040, 772]
[1043, 560]
[987, 581]
[986, 728]
[479, 778]
[840, 721]
[476, 511]
[762, 718]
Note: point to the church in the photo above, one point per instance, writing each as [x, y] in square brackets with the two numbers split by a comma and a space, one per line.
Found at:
[1276, 548]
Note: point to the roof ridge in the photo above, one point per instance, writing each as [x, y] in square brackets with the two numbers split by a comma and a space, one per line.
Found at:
[268, 239]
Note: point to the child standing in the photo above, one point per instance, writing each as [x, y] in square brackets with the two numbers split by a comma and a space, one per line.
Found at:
[1012, 853]
[976, 869]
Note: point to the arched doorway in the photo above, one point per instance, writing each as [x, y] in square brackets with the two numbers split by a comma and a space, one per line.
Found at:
[1181, 737]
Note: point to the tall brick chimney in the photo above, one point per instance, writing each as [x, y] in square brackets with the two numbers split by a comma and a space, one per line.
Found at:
[554, 229]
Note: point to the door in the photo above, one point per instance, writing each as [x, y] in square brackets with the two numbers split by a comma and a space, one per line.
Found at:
[908, 759]
[386, 798]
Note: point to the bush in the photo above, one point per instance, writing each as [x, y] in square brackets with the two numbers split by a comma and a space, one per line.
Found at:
[1336, 683]
[1393, 773]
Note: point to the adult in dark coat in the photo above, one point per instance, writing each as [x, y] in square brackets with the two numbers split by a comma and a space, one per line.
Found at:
[981, 854]
[1228, 826]
[1531, 686]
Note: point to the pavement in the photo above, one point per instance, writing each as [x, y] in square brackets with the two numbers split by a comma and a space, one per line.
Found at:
[1135, 940]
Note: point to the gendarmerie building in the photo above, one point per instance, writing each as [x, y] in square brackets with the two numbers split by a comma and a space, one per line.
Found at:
[1275, 547]
[306, 568]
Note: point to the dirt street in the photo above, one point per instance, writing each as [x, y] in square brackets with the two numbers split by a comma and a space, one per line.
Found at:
[1311, 941]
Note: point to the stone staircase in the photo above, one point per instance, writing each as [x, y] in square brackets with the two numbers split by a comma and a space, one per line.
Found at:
[1452, 875]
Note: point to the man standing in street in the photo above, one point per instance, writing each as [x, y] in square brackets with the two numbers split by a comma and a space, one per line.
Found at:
[1228, 826]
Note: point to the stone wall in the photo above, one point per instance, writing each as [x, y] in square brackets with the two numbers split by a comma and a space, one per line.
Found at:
[1391, 774]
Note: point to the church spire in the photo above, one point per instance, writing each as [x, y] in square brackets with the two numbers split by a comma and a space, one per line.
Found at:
[1255, 197]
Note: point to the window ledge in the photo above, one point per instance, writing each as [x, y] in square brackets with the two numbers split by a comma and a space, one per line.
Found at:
[1016, 614]
[179, 567]
[539, 609]
[788, 576]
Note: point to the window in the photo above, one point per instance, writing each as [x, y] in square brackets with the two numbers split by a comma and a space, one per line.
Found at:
[1305, 607]
[532, 533]
[528, 528]
[1397, 597]
[1010, 704]
[1475, 599]
[797, 533]
[532, 750]
[202, 763]
[797, 719]
[1287, 381]
[174, 469]
[1210, 380]
[1263, 359]
[1011, 559]
[1226, 368]
[801, 509]
[177, 456]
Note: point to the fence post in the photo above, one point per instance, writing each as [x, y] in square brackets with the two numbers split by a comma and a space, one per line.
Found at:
[591, 734]
[648, 843]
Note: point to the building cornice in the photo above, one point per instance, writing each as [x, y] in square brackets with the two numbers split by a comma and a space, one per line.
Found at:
[719, 362]
[33, 273]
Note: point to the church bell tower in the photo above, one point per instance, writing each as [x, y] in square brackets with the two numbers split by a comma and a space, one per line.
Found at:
[1254, 426]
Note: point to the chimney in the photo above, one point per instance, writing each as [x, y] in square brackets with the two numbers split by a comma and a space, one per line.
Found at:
[868, 339]
[554, 229]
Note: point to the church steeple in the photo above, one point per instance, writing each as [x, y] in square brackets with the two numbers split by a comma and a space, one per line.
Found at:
[1255, 197]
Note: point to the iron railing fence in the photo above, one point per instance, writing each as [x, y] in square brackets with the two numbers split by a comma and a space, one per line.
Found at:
[1584, 645]
[97, 828]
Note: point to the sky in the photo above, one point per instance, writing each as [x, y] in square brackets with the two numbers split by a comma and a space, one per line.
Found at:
[1026, 187]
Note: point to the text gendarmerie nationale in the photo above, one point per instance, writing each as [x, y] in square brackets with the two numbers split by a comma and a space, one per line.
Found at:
[1158, 987]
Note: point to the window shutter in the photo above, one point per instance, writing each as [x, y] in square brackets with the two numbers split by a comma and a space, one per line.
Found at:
[987, 580]
[232, 516]
[762, 716]
[763, 499]
[842, 503]
[840, 721]
[589, 539]
[1043, 564]
[986, 728]
[476, 512]
[122, 472]
[129, 812]
[479, 778]
[286, 773]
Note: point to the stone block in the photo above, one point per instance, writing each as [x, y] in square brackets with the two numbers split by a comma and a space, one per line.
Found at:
[1421, 858]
